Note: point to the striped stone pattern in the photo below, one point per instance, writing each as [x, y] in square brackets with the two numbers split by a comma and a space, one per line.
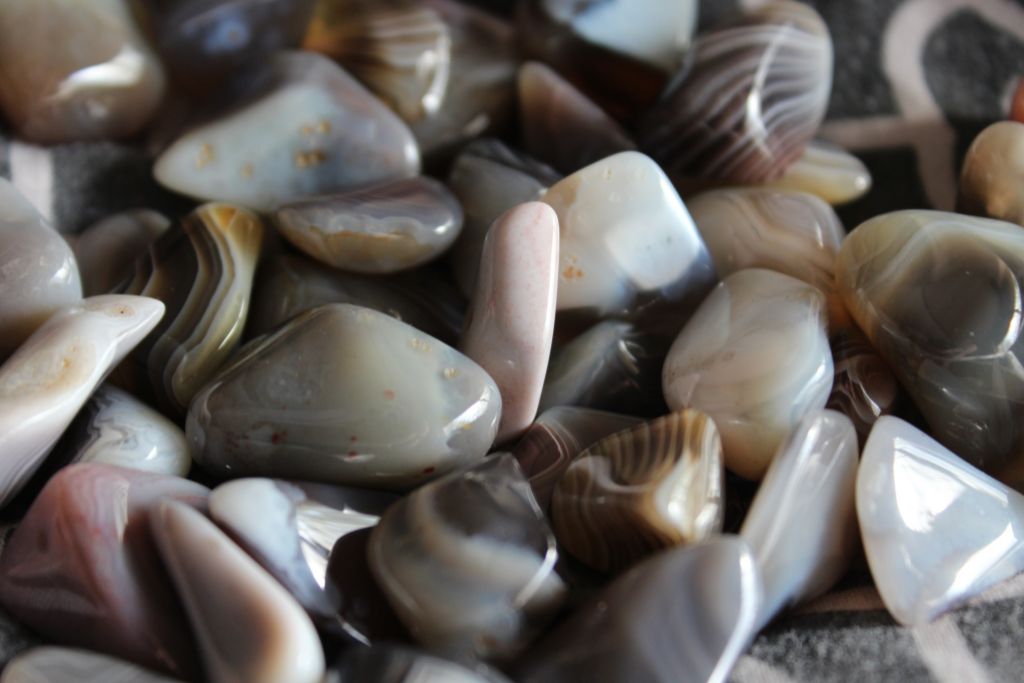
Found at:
[613, 505]
[754, 96]
[202, 269]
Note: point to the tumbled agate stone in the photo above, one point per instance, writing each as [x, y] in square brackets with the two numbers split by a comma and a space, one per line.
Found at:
[993, 170]
[348, 395]
[755, 357]
[106, 251]
[203, 41]
[936, 530]
[826, 171]
[302, 126]
[81, 568]
[646, 488]
[202, 269]
[684, 615]
[468, 561]
[50, 664]
[753, 95]
[398, 664]
[939, 296]
[73, 71]
[38, 272]
[383, 228]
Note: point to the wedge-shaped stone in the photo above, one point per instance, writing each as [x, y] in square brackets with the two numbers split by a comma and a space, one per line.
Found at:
[304, 127]
[347, 395]
[685, 615]
[50, 664]
[555, 439]
[936, 530]
[755, 357]
[45, 383]
[116, 428]
[86, 541]
[628, 243]
[468, 561]
[384, 228]
[939, 296]
[107, 251]
[646, 488]
[511, 323]
[38, 273]
[802, 525]
[248, 627]
[202, 269]
[828, 171]
[752, 96]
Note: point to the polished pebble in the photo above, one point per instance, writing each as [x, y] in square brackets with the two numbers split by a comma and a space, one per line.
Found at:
[106, 251]
[827, 171]
[48, 664]
[993, 170]
[397, 664]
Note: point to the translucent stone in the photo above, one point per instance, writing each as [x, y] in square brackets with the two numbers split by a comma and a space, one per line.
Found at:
[641, 490]
[383, 228]
[684, 615]
[38, 272]
[394, 407]
[828, 171]
[302, 126]
[395, 664]
[561, 125]
[511, 323]
[81, 568]
[75, 71]
[755, 357]
[865, 387]
[51, 376]
[248, 627]
[750, 98]
[936, 530]
[939, 296]
[993, 170]
[202, 269]
[116, 428]
[802, 525]
[64, 665]
[107, 250]
[468, 561]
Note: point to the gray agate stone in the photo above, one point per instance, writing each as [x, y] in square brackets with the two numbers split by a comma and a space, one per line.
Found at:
[66, 665]
[107, 249]
[347, 395]
[304, 127]
[395, 664]
[468, 561]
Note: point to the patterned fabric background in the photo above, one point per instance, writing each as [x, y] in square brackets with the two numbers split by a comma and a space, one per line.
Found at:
[915, 80]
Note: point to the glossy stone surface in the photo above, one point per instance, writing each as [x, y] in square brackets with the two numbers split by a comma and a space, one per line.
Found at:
[38, 272]
[395, 407]
[561, 125]
[107, 250]
[290, 530]
[865, 387]
[685, 615]
[936, 530]
[50, 664]
[75, 71]
[556, 437]
[302, 126]
[289, 284]
[403, 53]
[802, 525]
[81, 568]
[939, 296]
[752, 97]
[384, 228]
[204, 41]
[248, 627]
[611, 366]
[395, 664]
[827, 171]
[489, 179]
[202, 269]
[790, 232]
[755, 357]
[641, 490]
[990, 182]
[628, 242]
[45, 383]
[468, 561]
[116, 428]
[511, 322]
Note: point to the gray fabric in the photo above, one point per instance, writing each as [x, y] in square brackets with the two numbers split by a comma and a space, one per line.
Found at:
[972, 55]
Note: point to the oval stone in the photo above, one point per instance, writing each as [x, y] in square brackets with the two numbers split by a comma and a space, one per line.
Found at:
[347, 395]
